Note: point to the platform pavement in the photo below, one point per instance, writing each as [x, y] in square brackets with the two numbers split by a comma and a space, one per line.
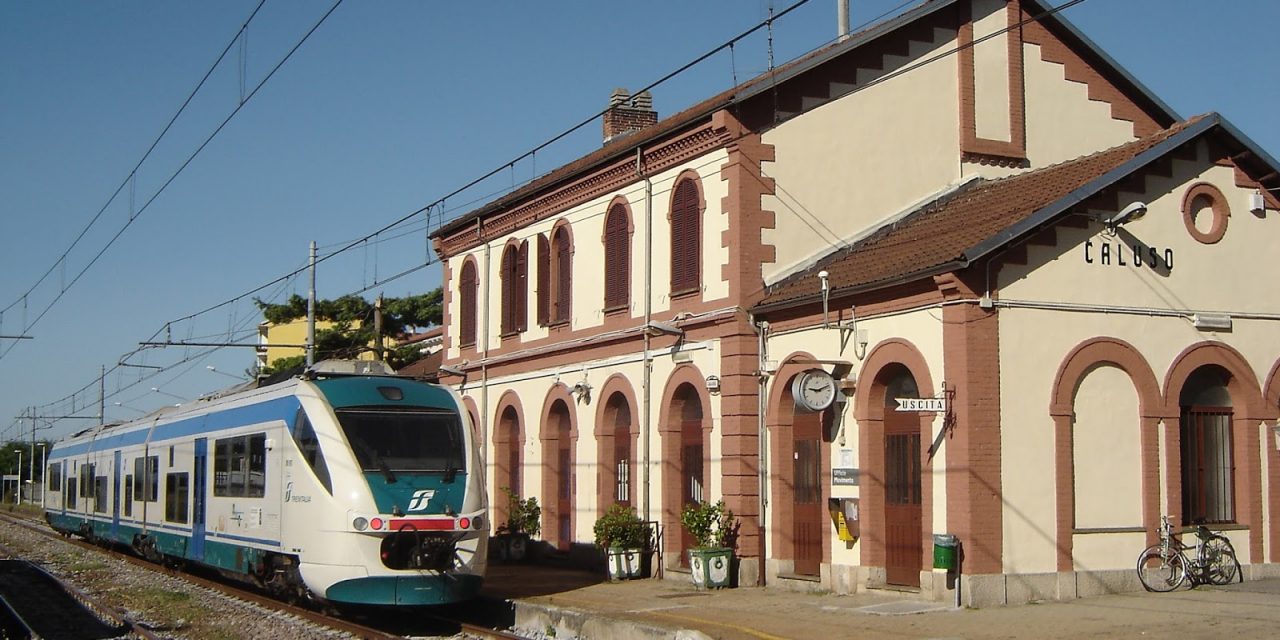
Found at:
[560, 603]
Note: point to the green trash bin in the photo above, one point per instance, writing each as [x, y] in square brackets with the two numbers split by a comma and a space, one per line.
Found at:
[944, 551]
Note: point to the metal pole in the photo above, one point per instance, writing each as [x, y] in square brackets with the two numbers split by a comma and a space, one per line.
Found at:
[311, 310]
[102, 396]
[19, 499]
[842, 16]
[32, 464]
[44, 468]
[378, 347]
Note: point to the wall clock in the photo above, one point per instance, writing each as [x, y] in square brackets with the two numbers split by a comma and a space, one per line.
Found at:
[813, 390]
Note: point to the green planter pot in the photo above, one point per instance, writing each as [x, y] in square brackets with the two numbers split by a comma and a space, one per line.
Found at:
[711, 568]
[625, 563]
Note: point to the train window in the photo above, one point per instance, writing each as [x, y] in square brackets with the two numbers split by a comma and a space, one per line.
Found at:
[170, 456]
[70, 495]
[146, 478]
[86, 480]
[176, 488]
[100, 494]
[55, 476]
[128, 496]
[240, 466]
[408, 439]
[309, 445]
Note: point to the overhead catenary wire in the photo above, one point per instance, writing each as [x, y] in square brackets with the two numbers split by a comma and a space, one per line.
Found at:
[134, 216]
[440, 203]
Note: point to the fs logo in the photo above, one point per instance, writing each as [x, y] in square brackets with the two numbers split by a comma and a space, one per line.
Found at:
[420, 499]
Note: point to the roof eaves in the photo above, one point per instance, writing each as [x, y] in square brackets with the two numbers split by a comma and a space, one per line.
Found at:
[1078, 195]
[926, 272]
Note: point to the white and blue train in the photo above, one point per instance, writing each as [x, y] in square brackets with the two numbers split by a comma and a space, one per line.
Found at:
[343, 488]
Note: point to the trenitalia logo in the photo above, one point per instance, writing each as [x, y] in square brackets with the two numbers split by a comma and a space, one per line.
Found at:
[420, 499]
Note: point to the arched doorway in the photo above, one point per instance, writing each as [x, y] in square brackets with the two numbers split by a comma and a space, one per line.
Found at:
[902, 481]
[616, 472]
[557, 454]
[1208, 466]
[506, 460]
[807, 502]
[686, 411]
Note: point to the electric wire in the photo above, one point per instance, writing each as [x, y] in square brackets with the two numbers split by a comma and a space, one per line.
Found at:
[174, 176]
[130, 179]
[441, 201]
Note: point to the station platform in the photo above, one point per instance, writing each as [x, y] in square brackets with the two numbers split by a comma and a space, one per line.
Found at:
[557, 602]
[544, 601]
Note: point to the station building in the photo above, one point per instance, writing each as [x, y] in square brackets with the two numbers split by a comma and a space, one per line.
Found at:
[959, 274]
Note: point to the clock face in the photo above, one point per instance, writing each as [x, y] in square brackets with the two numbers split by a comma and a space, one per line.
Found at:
[814, 390]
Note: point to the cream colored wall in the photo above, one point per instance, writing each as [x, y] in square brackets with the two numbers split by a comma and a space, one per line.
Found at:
[1106, 438]
[532, 389]
[864, 157]
[991, 70]
[1121, 302]
[587, 225]
[923, 329]
[1062, 122]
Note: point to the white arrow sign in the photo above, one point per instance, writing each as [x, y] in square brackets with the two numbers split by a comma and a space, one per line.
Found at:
[926, 405]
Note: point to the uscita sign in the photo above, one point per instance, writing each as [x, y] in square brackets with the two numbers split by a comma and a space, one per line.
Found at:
[929, 405]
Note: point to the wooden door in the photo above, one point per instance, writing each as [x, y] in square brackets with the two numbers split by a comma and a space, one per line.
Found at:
[902, 513]
[690, 477]
[807, 515]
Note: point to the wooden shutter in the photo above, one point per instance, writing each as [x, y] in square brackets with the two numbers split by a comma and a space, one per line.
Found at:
[467, 305]
[509, 290]
[686, 234]
[617, 259]
[561, 251]
[544, 280]
[522, 287]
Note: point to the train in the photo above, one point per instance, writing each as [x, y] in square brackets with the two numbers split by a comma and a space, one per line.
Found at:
[344, 485]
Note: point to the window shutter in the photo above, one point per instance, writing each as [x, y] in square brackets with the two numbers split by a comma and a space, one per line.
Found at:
[522, 287]
[686, 235]
[563, 276]
[467, 305]
[544, 280]
[508, 290]
[617, 259]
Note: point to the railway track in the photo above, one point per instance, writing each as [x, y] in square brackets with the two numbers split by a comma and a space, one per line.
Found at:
[375, 624]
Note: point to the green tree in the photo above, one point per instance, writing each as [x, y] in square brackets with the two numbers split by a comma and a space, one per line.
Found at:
[353, 328]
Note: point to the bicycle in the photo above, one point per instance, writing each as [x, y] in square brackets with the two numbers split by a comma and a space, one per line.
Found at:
[1166, 566]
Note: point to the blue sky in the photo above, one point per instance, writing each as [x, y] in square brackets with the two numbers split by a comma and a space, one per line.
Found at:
[389, 106]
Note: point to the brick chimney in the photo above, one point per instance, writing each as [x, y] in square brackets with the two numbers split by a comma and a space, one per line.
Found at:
[628, 114]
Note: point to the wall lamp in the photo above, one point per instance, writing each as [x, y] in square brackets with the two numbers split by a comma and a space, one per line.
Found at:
[1134, 211]
[655, 329]
[453, 371]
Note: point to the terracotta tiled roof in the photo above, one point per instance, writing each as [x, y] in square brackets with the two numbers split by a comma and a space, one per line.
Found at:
[953, 230]
[428, 367]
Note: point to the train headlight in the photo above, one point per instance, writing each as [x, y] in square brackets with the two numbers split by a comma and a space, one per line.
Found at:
[477, 522]
[360, 523]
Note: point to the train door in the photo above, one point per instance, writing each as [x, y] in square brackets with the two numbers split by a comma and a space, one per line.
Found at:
[116, 470]
[199, 491]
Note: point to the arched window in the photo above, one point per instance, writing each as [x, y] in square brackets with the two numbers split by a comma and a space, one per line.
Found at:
[561, 274]
[467, 283]
[617, 258]
[686, 238]
[515, 287]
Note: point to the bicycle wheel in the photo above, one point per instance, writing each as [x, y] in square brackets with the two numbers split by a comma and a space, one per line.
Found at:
[1161, 574]
[1218, 558]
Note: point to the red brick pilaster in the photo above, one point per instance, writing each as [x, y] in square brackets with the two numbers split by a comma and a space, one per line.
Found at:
[971, 350]
[747, 186]
[739, 438]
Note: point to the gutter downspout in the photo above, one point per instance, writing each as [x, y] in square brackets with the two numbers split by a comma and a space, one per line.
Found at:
[484, 350]
[762, 435]
[646, 379]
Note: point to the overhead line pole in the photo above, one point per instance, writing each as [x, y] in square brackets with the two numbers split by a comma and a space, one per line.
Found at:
[311, 310]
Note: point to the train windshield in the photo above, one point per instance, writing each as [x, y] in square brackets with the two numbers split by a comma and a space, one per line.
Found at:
[403, 439]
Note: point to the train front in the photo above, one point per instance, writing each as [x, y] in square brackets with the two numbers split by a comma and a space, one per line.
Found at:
[408, 523]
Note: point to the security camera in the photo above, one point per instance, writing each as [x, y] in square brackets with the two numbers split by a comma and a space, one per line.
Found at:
[1128, 214]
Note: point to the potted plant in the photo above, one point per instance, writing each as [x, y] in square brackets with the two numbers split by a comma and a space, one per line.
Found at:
[624, 538]
[714, 529]
[524, 520]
